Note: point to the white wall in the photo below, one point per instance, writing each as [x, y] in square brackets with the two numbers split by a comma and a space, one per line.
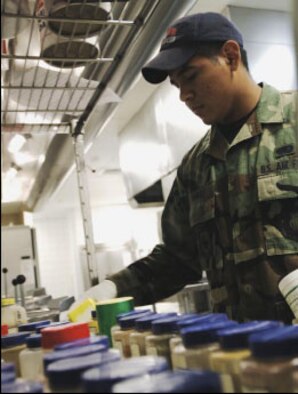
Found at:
[60, 240]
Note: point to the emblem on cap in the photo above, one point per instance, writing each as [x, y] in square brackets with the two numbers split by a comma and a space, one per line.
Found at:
[170, 36]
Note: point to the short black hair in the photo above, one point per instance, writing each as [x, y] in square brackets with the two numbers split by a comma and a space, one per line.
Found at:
[211, 49]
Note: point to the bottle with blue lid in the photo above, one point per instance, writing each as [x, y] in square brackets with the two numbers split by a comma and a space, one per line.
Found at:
[8, 372]
[11, 346]
[185, 381]
[163, 330]
[103, 378]
[78, 351]
[273, 359]
[120, 337]
[199, 341]
[64, 376]
[126, 314]
[233, 349]
[176, 344]
[31, 364]
[92, 340]
[142, 330]
[22, 386]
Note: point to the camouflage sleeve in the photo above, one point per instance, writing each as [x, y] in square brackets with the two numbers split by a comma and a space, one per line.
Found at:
[171, 265]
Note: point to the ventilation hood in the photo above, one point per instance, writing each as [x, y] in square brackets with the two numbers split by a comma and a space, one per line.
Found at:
[44, 90]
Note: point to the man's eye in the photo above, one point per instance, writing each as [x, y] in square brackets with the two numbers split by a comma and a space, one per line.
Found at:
[190, 77]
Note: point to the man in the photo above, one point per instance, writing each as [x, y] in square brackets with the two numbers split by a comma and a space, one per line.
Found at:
[233, 208]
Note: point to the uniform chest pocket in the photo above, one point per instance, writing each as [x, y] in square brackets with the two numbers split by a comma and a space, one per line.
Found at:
[202, 220]
[278, 199]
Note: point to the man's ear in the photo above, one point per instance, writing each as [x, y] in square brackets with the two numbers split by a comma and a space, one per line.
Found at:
[231, 52]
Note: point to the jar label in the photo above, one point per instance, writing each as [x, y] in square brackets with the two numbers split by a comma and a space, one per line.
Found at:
[135, 350]
[118, 345]
[151, 351]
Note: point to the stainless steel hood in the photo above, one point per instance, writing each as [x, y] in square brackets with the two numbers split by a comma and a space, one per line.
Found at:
[130, 35]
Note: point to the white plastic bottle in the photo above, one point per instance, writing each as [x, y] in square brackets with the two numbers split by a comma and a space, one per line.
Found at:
[31, 358]
[12, 314]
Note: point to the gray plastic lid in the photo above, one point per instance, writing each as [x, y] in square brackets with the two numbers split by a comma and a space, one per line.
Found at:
[180, 381]
[94, 340]
[71, 353]
[22, 386]
[67, 373]
[102, 379]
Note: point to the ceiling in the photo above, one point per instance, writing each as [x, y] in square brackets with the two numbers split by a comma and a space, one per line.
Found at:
[46, 103]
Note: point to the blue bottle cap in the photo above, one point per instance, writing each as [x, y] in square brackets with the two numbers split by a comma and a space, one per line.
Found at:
[204, 333]
[202, 318]
[33, 341]
[101, 380]
[15, 339]
[180, 381]
[7, 367]
[130, 313]
[237, 337]
[38, 328]
[144, 323]
[165, 326]
[32, 326]
[279, 342]
[127, 322]
[22, 386]
[71, 353]
[94, 340]
[66, 374]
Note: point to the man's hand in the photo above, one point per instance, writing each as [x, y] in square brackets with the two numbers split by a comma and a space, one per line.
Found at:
[103, 291]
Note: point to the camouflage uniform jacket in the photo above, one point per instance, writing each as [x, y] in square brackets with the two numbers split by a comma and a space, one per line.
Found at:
[233, 212]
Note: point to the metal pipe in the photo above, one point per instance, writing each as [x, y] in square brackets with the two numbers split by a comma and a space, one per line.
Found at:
[72, 20]
[61, 59]
[4, 271]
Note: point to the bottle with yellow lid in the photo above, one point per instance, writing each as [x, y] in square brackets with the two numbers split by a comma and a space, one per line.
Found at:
[12, 314]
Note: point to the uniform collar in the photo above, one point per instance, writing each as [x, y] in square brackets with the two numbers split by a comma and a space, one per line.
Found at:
[268, 110]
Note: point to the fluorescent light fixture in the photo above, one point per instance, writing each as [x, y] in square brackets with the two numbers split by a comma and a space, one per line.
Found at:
[11, 173]
[12, 190]
[41, 159]
[23, 158]
[16, 143]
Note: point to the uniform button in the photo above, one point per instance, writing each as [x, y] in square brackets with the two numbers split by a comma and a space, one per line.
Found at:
[247, 289]
[270, 189]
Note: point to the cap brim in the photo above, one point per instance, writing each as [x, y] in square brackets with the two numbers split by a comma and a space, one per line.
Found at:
[169, 59]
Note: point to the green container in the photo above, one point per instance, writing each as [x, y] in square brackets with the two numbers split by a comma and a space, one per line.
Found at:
[107, 311]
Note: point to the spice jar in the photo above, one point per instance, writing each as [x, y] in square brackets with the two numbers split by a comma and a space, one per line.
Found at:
[120, 337]
[176, 344]
[272, 362]
[199, 341]
[142, 330]
[233, 349]
[158, 344]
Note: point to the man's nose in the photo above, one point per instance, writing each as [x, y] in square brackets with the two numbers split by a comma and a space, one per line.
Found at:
[186, 95]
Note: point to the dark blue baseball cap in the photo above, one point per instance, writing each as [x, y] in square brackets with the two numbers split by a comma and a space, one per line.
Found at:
[182, 42]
